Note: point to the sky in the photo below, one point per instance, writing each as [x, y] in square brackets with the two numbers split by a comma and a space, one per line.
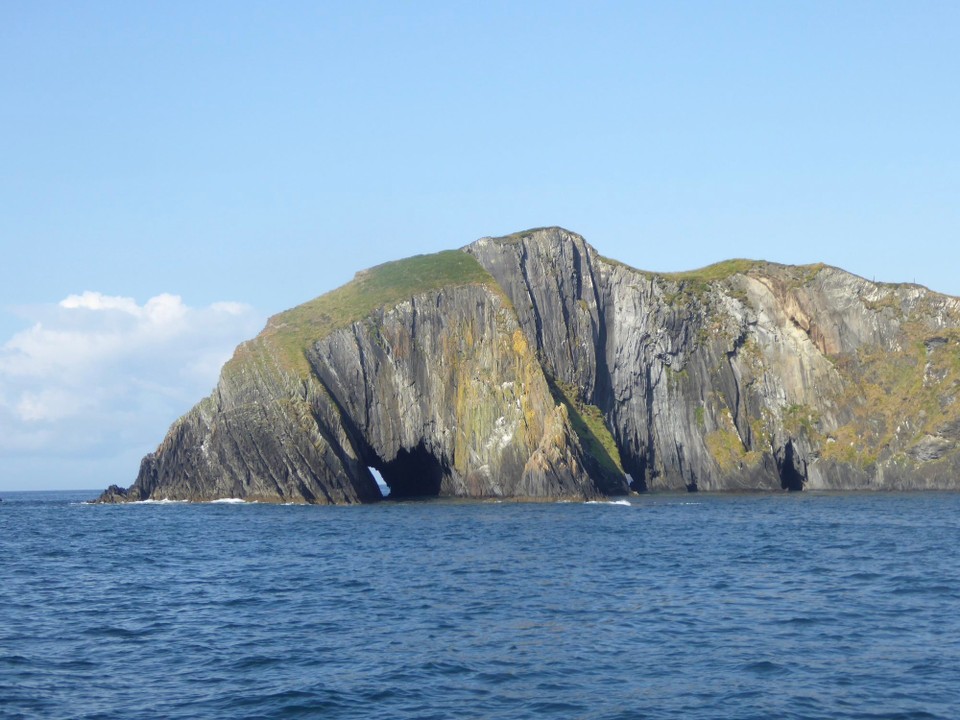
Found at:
[172, 174]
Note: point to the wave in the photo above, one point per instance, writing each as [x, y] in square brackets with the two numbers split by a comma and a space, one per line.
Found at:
[168, 501]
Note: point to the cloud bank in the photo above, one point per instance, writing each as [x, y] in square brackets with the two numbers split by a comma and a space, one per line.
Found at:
[97, 379]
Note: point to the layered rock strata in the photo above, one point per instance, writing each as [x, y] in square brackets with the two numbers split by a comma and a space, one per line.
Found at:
[531, 366]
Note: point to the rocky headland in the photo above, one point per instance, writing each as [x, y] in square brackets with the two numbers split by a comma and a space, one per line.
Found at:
[530, 366]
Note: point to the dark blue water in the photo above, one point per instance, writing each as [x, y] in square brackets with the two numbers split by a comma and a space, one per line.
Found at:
[767, 606]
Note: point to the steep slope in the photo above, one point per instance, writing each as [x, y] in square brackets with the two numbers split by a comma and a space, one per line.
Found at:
[417, 368]
[531, 366]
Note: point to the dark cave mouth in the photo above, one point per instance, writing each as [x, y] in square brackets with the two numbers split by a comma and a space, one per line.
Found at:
[791, 479]
[413, 473]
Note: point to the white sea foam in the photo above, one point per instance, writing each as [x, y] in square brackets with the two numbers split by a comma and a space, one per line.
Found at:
[168, 501]
[608, 502]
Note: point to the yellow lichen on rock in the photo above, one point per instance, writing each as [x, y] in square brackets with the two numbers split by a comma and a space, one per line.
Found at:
[519, 342]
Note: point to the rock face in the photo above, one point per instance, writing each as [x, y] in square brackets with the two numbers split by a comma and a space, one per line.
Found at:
[530, 366]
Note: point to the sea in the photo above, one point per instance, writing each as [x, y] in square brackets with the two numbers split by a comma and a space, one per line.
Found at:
[802, 605]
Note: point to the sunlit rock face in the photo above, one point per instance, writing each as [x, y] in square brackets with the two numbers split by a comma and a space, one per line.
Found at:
[530, 366]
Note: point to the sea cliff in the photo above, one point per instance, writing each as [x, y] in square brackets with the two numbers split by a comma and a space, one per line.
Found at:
[530, 366]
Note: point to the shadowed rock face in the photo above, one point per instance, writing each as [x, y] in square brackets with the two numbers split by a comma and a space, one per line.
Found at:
[470, 374]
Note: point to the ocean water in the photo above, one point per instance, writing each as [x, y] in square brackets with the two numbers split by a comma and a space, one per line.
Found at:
[692, 606]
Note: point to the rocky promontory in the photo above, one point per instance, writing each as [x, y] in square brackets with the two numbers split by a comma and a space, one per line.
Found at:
[530, 366]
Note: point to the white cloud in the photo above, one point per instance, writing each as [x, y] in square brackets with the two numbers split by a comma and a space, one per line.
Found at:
[103, 376]
[99, 301]
[49, 404]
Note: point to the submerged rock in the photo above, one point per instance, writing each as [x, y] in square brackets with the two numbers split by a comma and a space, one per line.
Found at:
[531, 366]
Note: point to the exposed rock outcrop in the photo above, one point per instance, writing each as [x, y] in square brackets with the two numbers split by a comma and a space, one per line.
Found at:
[745, 375]
[531, 366]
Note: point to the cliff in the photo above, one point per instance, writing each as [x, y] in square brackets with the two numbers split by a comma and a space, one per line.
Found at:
[531, 366]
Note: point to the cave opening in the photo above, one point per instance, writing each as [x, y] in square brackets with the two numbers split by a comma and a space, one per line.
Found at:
[636, 470]
[381, 483]
[413, 473]
[790, 478]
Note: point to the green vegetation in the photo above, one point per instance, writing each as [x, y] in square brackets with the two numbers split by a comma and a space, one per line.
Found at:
[696, 283]
[739, 295]
[751, 352]
[384, 285]
[698, 414]
[711, 273]
[519, 236]
[726, 446]
[810, 272]
[728, 451]
[616, 263]
[587, 420]
[717, 271]
[675, 377]
[888, 301]
[801, 419]
[897, 396]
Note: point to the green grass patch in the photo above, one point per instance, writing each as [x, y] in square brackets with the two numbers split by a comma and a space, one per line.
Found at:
[725, 448]
[681, 288]
[587, 420]
[696, 282]
[700, 277]
[698, 414]
[728, 451]
[616, 263]
[717, 271]
[517, 237]
[810, 272]
[294, 330]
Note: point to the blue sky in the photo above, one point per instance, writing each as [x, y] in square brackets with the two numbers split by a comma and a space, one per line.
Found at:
[183, 170]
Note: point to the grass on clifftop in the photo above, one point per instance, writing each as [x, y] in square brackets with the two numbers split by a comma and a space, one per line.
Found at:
[726, 269]
[717, 271]
[294, 330]
[711, 273]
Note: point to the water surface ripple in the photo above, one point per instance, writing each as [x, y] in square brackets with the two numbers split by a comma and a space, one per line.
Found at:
[766, 606]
